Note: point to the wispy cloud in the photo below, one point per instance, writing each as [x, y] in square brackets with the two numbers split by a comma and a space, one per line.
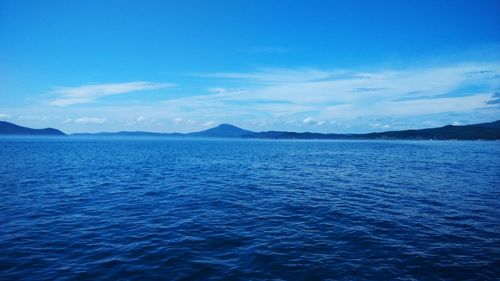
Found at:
[90, 93]
[89, 120]
[209, 124]
[31, 117]
[266, 50]
[315, 96]
[279, 75]
[312, 99]
[4, 116]
[495, 98]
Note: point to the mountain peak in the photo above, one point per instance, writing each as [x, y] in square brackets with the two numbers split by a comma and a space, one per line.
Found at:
[225, 125]
[7, 128]
[224, 130]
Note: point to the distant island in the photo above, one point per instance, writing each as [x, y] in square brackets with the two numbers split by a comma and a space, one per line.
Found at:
[482, 131]
[7, 128]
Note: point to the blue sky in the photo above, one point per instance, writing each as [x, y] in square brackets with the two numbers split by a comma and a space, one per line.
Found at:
[323, 66]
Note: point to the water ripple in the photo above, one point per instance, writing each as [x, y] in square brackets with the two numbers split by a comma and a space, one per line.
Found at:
[248, 210]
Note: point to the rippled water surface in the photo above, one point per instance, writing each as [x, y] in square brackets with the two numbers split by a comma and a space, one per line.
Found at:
[248, 210]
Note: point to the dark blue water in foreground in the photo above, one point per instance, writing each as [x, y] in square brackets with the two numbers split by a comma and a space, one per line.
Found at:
[248, 210]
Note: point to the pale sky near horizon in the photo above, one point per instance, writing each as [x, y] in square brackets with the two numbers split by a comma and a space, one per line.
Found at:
[322, 66]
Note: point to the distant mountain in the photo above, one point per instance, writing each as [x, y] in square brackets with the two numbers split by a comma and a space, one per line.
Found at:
[295, 135]
[495, 124]
[483, 131]
[130, 133]
[7, 128]
[222, 131]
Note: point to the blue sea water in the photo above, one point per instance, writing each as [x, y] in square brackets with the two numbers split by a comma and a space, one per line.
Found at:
[192, 209]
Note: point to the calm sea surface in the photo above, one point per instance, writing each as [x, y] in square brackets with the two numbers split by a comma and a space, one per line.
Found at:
[142, 209]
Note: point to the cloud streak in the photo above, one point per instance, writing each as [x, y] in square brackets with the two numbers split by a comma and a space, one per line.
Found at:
[266, 50]
[292, 91]
[315, 97]
[301, 99]
[90, 120]
[495, 98]
[89, 93]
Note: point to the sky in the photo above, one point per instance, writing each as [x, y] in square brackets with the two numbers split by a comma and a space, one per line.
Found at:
[181, 66]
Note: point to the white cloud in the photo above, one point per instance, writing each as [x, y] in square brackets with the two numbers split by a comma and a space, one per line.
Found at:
[142, 120]
[4, 116]
[32, 118]
[90, 120]
[326, 95]
[209, 123]
[308, 120]
[177, 120]
[217, 91]
[380, 126]
[89, 93]
[311, 121]
[313, 100]
[183, 121]
[277, 75]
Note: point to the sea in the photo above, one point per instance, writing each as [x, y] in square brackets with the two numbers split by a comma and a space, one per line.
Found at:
[90, 208]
